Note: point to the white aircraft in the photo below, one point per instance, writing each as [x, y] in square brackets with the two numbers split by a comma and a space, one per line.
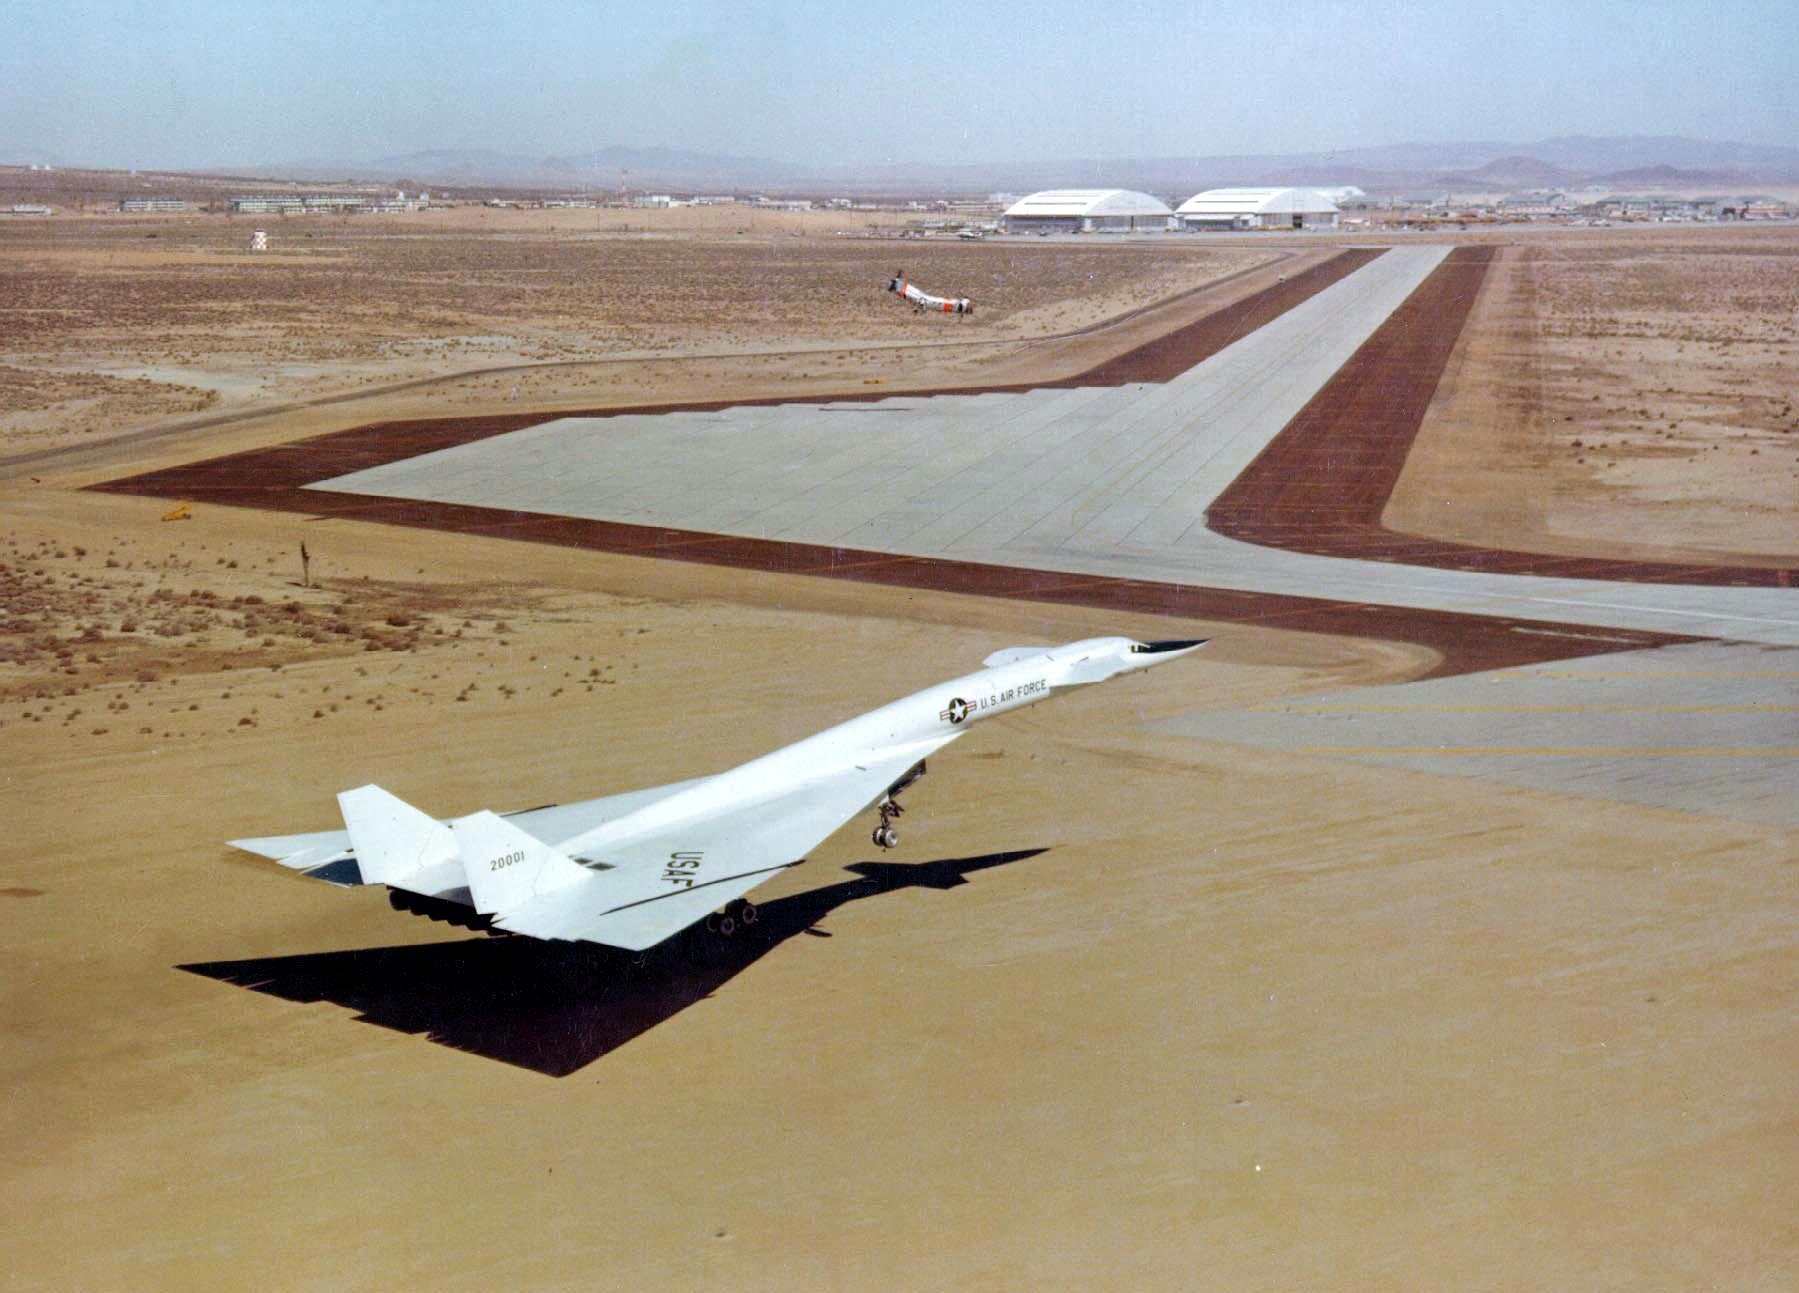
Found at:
[924, 300]
[632, 870]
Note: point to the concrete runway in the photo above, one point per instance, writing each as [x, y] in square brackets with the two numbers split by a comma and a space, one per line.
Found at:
[1706, 727]
[1112, 481]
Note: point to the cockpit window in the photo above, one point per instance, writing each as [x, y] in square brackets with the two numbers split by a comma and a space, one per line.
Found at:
[1156, 648]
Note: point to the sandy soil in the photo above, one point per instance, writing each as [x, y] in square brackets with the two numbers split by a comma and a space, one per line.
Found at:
[110, 324]
[1630, 397]
[1125, 1010]
[1336, 1045]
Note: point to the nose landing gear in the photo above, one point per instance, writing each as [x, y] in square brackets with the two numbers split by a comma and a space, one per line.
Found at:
[885, 837]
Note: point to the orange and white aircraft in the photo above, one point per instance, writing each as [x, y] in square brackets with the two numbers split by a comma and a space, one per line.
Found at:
[923, 300]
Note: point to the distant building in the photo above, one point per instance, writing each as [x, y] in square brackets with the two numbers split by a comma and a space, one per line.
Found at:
[1534, 205]
[298, 203]
[1087, 211]
[29, 208]
[398, 203]
[153, 204]
[1257, 209]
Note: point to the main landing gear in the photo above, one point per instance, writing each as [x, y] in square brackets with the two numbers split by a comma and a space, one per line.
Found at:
[885, 837]
[739, 913]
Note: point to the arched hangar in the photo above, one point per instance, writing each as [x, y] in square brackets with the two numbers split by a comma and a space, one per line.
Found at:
[1087, 211]
[1257, 209]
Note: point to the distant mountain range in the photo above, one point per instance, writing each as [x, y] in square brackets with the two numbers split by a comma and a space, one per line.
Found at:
[1569, 161]
[608, 169]
[19, 155]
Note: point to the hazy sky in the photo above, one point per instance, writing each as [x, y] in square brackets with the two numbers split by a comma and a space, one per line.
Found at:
[214, 82]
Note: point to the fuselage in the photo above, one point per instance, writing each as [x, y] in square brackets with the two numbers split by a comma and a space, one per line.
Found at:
[926, 301]
[631, 870]
[926, 717]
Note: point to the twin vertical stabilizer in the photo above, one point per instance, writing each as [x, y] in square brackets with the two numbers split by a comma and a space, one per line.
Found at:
[483, 855]
[506, 867]
[398, 845]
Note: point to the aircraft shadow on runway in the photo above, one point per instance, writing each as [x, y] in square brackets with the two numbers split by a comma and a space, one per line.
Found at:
[557, 1007]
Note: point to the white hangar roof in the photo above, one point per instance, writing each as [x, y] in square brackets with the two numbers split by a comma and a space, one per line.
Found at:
[1257, 202]
[1088, 202]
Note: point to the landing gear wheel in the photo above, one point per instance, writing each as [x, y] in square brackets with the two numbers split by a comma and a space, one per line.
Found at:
[727, 926]
[888, 806]
[748, 913]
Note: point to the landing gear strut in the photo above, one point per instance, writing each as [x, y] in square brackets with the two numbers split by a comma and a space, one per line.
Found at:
[885, 837]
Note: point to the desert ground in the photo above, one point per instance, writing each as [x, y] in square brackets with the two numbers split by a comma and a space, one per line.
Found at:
[1622, 397]
[116, 322]
[1129, 1008]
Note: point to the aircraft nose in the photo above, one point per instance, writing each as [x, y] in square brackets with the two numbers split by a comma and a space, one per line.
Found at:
[1167, 645]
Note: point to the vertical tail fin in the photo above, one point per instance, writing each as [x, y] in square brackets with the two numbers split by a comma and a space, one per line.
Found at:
[505, 867]
[395, 843]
